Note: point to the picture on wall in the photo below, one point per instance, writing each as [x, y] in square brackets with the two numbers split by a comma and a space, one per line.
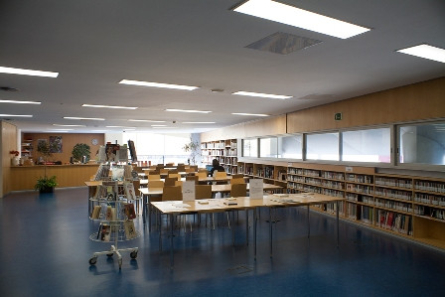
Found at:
[55, 143]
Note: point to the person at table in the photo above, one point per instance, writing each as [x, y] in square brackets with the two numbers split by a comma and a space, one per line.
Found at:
[216, 167]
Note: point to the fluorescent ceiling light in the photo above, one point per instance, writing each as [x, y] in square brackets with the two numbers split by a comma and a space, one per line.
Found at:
[29, 72]
[159, 125]
[157, 85]
[16, 115]
[251, 114]
[262, 95]
[80, 118]
[20, 102]
[147, 121]
[425, 51]
[57, 131]
[61, 129]
[121, 127]
[198, 122]
[289, 15]
[108, 106]
[188, 110]
[61, 125]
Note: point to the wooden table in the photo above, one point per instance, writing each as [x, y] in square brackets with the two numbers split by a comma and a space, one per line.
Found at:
[174, 208]
[147, 193]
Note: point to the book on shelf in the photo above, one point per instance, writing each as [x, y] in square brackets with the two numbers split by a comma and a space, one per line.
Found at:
[130, 231]
[129, 211]
[96, 212]
[105, 232]
[129, 191]
[110, 213]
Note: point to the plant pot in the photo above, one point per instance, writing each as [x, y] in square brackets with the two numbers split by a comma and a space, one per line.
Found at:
[46, 190]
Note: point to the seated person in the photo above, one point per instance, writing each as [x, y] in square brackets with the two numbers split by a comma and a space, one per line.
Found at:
[216, 167]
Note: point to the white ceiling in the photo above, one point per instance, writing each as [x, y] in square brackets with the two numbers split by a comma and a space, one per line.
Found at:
[95, 44]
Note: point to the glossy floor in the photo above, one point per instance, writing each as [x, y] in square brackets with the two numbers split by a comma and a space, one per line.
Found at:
[45, 249]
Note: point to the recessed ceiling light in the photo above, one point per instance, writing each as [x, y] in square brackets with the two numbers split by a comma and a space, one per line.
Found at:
[425, 51]
[251, 114]
[61, 125]
[187, 110]
[19, 71]
[108, 106]
[121, 127]
[198, 122]
[261, 95]
[147, 121]
[80, 118]
[293, 16]
[16, 115]
[157, 85]
[20, 102]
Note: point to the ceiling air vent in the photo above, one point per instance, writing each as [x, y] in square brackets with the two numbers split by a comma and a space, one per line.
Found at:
[283, 43]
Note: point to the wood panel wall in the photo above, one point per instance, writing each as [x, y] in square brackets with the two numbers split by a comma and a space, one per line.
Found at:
[25, 177]
[69, 140]
[420, 101]
[269, 126]
[8, 143]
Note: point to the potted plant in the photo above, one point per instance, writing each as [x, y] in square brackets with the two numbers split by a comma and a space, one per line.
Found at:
[80, 150]
[194, 149]
[46, 184]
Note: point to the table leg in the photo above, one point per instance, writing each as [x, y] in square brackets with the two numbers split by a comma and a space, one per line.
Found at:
[308, 223]
[247, 227]
[338, 223]
[172, 222]
[254, 231]
[160, 231]
[270, 230]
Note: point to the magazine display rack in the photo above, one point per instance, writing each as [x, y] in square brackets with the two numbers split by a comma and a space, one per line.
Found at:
[114, 208]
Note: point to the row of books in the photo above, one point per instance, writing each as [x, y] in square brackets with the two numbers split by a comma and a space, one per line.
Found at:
[394, 221]
[108, 212]
[106, 230]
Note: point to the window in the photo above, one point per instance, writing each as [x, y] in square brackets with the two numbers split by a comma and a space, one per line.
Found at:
[422, 144]
[322, 146]
[290, 147]
[372, 145]
[250, 148]
[268, 147]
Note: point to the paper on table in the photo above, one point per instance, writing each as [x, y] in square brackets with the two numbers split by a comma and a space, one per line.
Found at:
[188, 191]
[256, 188]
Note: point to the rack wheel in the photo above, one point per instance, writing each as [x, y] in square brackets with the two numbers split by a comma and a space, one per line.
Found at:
[134, 254]
[110, 255]
[93, 261]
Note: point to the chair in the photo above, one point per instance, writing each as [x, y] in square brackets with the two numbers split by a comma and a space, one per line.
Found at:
[203, 191]
[192, 178]
[163, 171]
[155, 184]
[235, 181]
[201, 175]
[238, 190]
[172, 193]
[174, 175]
[181, 168]
[170, 181]
[173, 171]
[136, 186]
[154, 177]
[178, 183]
[237, 175]
[220, 174]
[154, 172]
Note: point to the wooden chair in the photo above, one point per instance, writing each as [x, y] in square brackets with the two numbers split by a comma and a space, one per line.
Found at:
[163, 171]
[192, 177]
[172, 193]
[178, 183]
[203, 191]
[173, 171]
[235, 181]
[170, 181]
[237, 175]
[154, 177]
[154, 172]
[174, 175]
[220, 174]
[238, 190]
[201, 175]
[155, 184]
[181, 168]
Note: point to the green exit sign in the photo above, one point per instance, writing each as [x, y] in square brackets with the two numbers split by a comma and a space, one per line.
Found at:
[338, 116]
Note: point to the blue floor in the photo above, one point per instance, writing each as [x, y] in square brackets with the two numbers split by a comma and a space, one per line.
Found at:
[45, 249]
